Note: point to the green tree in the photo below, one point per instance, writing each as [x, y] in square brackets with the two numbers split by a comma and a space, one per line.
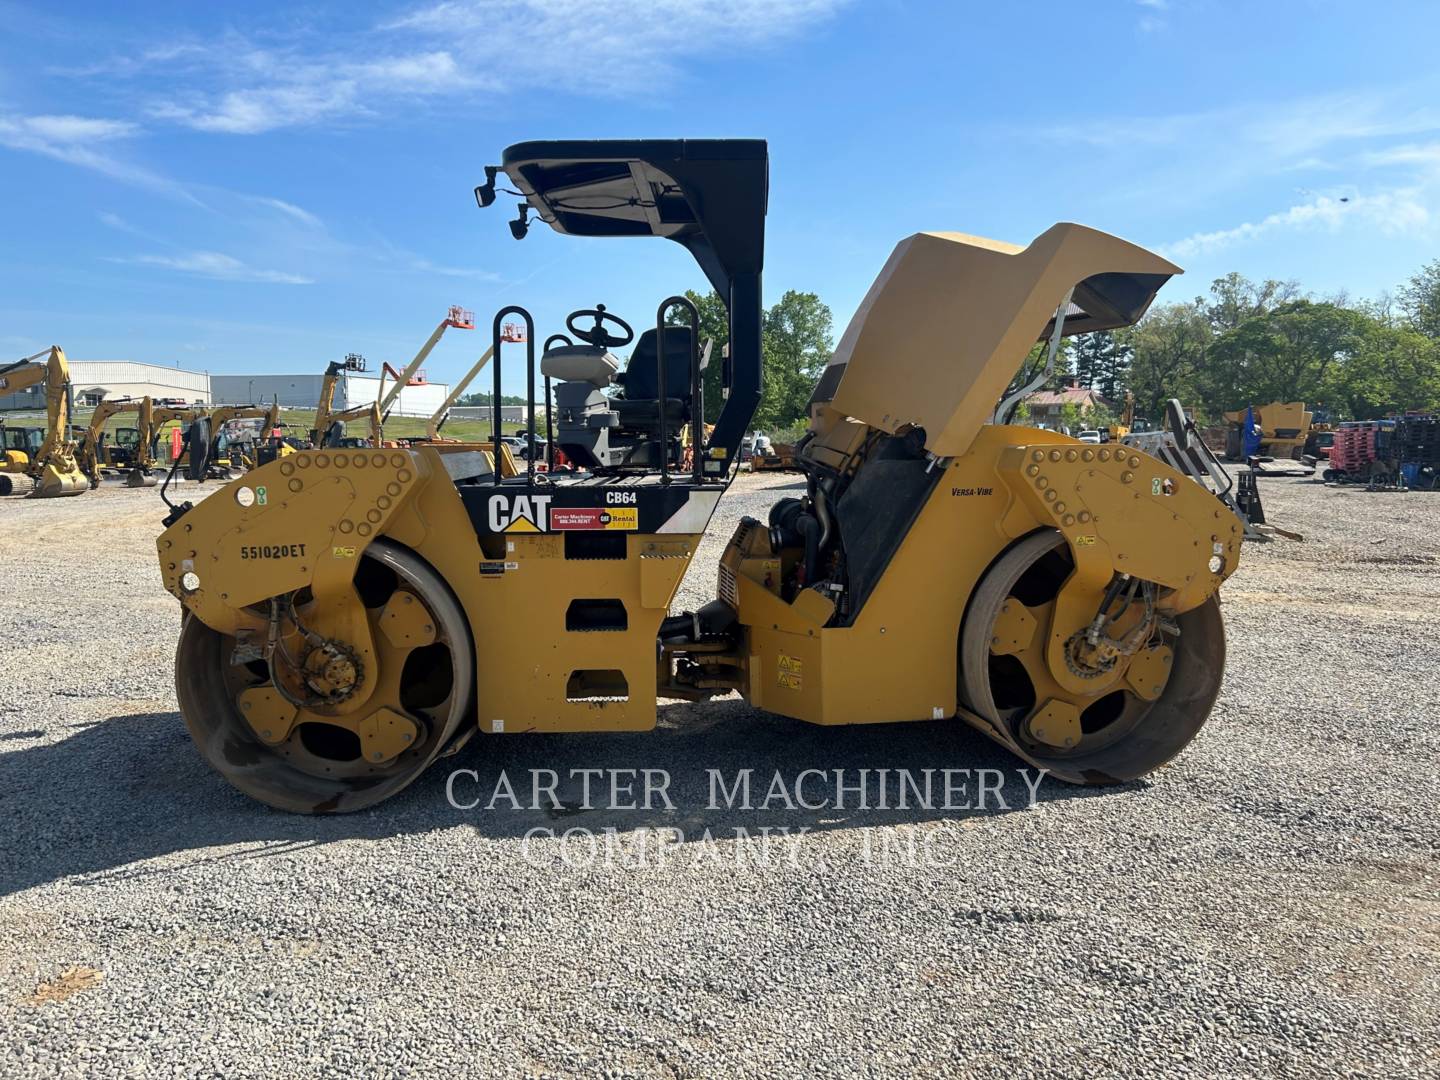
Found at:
[1419, 299]
[715, 328]
[1101, 361]
[1234, 298]
[505, 399]
[1169, 351]
[797, 345]
[1286, 354]
[1392, 369]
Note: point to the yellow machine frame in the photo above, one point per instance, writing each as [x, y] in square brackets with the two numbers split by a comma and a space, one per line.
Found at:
[943, 512]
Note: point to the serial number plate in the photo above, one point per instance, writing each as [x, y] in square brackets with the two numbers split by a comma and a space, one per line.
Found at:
[272, 551]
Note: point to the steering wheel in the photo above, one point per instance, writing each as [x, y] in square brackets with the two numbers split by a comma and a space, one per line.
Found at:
[597, 334]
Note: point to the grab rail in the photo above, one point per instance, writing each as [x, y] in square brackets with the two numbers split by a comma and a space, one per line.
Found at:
[495, 414]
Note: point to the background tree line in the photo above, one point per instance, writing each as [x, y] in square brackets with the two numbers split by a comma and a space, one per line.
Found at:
[1245, 343]
[1250, 343]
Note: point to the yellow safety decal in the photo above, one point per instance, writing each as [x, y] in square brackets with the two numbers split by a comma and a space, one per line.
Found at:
[718, 452]
[343, 552]
[1084, 541]
[790, 672]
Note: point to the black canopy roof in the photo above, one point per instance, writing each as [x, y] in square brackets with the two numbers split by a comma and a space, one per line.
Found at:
[707, 194]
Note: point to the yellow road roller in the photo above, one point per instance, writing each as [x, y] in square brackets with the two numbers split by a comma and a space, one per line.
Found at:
[350, 615]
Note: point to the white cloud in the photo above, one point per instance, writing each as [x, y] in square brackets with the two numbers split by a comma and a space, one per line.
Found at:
[76, 141]
[74, 129]
[232, 86]
[290, 210]
[1275, 132]
[1390, 212]
[425, 266]
[1410, 154]
[298, 90]
[609, 46]
[213, 264]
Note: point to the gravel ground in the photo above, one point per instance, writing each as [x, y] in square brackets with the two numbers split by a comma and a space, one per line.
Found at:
[1269, 904]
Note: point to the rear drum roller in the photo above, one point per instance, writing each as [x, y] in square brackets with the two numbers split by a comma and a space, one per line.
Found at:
[1121, 735]
[320, 767]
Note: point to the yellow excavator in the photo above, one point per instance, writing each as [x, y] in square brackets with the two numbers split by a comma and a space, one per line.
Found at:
[45, 468]
[329, 427]
[229, 457]
[132, 452]
[161, 417]
[350, 616]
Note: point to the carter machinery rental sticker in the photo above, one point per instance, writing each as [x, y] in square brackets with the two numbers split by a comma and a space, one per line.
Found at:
[790, 671]
[594, 517]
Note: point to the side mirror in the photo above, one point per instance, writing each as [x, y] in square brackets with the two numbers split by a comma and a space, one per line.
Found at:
[1176, 422]
[198, 437]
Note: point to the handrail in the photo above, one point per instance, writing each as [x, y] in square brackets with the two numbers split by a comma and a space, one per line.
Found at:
[550, 406]
[515, 309]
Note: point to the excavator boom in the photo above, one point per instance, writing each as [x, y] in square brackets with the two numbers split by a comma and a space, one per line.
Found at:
[54, 470]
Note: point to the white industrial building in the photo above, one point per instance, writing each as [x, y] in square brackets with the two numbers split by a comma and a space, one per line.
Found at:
[95, 380]
[303, 392]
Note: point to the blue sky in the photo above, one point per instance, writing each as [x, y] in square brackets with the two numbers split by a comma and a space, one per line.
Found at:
[269, 186]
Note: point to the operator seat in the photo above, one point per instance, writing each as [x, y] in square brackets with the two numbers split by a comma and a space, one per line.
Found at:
[639, 408]
[597, 430]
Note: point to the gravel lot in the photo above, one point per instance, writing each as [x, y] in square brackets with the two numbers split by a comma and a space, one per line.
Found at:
[1269, 904]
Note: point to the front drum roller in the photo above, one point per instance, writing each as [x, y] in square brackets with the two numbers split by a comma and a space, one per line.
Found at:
[1114, 733]
[320, 767]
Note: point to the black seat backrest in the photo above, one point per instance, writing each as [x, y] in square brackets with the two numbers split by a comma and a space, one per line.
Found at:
[642, 378]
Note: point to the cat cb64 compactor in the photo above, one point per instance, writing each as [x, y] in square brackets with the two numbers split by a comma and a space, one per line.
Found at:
[351, 615]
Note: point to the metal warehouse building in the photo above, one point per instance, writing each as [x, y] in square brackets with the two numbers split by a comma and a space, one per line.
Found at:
[303, 392]
[95, 380]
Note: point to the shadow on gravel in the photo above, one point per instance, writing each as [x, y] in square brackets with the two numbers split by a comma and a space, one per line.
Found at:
[130, 789]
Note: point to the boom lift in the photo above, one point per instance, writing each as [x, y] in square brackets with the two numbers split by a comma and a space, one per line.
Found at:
[481, 460]
[51, 469]
[350, 616]
[459, 318]
[437, 420]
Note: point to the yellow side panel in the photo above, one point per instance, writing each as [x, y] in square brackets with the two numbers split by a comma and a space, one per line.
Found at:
[898, 660]
[906, 363]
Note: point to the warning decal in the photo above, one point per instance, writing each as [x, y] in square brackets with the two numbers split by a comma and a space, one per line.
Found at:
[790, 672]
